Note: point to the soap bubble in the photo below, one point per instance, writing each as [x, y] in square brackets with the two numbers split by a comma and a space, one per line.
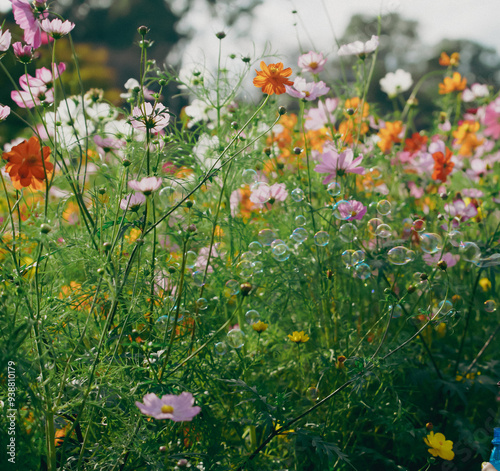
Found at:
[383, 231]
[199, 278]
[376, 173]
[321, 238]
[255, 247]
[419, 225]
[247, 256]
[373, 225]
[407, 226]
[280, 252]
[299, 235]
[430, 243]
[166, 195]
[191, 258]
[220, 348]
[261, 192]
[232, 287]
[312, 394]
[358, 256]
[162, 322]
[333, 189]
[347, 232]
[347, 258]
[297, 195]
[490, 305]
[455, 238]
[384, 207]
[235, 338]
[363, 271]
[470, 252]
[445, 307]
[266, 236]
[491, 261]
[300, 220]
[277, 242]
[252, 316]
[400, 255]
[345, 213]
[245, 268]
[202, 304]
[396, 310]
[257, 267]
[249, 176]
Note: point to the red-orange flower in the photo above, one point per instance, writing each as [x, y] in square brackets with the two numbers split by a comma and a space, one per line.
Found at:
[272, 78]
[25, 164]
[447, 60]
[442, 165]
[452, 84]
[390, 135]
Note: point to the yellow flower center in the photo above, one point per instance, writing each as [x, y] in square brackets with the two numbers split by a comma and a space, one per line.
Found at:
[313, 65]
[273, 70]
[167, 409]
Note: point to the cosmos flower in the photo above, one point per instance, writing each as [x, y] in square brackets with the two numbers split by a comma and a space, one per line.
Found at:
[4, 112]
[439, 446]
[323, 115]
[351, 209]
[335, 164]
[27, 15]
[272, 78]
[56, 28]
[312, 62]
[298, 337]
[476, 90]
[5, 39]
[442, 160]
[307, 90]
[149, 118]
[396, 82]
[146, 186]
[24, 53]
[491, 119]
[177, 408]
[359, 48]
[452, 84]
[132, 202]
[449, 61]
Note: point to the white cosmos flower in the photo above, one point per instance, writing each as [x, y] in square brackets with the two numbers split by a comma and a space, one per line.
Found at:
[396, 82]
[359, 48]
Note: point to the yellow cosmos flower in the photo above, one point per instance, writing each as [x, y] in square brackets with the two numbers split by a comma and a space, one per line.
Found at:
[299, 337]
[259, 326]
[485, 284]
[439, 446]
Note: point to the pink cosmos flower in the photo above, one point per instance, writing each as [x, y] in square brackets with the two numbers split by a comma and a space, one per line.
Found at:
[335, 164]
[273, 193]
[312, 62]
[359, 48]
[177, 408]
[308, 91]
[323, 115]
[132, 202]
[56, 28]
[351, 209]
[27, 15]
[451, 260]
[491, 119]
[147, 118]
[23, 53]
[108, 144]
[5, 39]
[460, 211]
[146, 186]
[4, 112]
[476, 90]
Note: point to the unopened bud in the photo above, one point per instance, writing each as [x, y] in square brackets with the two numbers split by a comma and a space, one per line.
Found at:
[220, 35]
[281, 110]
[442, 265]
[245, 289]
[143, 30]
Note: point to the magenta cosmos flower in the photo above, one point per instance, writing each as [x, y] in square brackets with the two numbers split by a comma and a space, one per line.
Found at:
[312, 62]
[177, 408]
[24, 53]
[351, 209]
[323, 115]
[307, 90]
[146, 186]
[57, 28]
[28, 15]
[271, 194]
[359, 48]
[149, 118]
[491, 119]
[5, 39]
[335, 164]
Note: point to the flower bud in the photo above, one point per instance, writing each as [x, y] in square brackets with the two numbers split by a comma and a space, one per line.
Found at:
[107, 246]
[189, 204]
[220, 35]
[281, 110]
[411, 289]
[442, 265]
[350, 111]
[297, 150]
[423, 276]
[143, 30]
[45, 228]
[245, 289]
[429, 426]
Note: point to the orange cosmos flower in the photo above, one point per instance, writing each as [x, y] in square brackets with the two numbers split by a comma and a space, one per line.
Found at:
[442, 165]
[452, 84]
[272, 78]
[415, 143]
[447, 60]
[25, 164]
[389, 135]
[466, 137]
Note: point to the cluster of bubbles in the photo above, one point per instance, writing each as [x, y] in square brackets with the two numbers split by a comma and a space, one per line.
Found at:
[355, 259]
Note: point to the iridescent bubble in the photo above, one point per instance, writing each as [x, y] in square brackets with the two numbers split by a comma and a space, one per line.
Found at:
[321, 238]
[445, 307]
[166, 195]
[363, 271]
[491, 261]
[202, 304]
[261, 192]
[342, 215]
[247, 256]
[430, 243]
[280, 252]
[297, 195]
[400, 255]
[373, 225]
[384, 207]
[245, 268]
[348, 258]
[358, 256]
[255, 247]
[470, 252]
[333, 189]
[455, 238]
[220, 348]
[396, 310]
[252, 316]
[300, 220]
[249, 176]
[235, 338]
[419, 225]
[277, 242]
[258, 267]
[490, 305]
[199, 278]
[162, 322]
[266, 237]
[383, 231]
[232, 287]
[407, 226]
[376, 173]
[312, 394]
[299, 235]
[191, 258]
[347, 232]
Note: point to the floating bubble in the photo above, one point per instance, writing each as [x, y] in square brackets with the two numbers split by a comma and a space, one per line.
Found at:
[445, 307]
[255, 247]
[400, 255]
[280, 252]
[166, 195]
[396, 310]
[363, 271]
[373, 225]
[384, 207]
[376, 173]
[245, 268]
[258, 267]
[162, 322]
[407, 226]
[341, 210]
[297, 195]
[252, 316]
[220, 348]
[202, 304]
[491, 261]
[418, 225]
[430, 243]
[300, 220]
[470, 252]
[277, 242]
[247, 256]
[347, 232]
[249, 176]
[455, 238]
[235, 338]
[312, 394]
[199, 278]
[321, 238]
[261, 193]
[266, 237]
[299, 235]
[490, 305]
[348, 258]
[383, 231]
[191, 258]
[232, 287]
[358, 256]
[333, 189]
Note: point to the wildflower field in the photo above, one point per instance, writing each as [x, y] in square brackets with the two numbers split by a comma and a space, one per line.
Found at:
[280, 277]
